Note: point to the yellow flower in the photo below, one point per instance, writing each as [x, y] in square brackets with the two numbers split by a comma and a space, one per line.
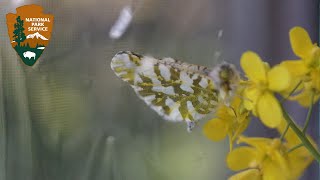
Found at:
[252, 174]
[262, 82]
[306, 70]
[231, 121]
[300, 158]
[265, 159]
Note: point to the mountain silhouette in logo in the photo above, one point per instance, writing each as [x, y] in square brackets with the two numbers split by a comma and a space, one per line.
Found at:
[36, 35]
[33, 40]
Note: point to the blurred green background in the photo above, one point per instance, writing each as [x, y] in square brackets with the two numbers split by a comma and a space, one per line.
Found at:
[70, 118]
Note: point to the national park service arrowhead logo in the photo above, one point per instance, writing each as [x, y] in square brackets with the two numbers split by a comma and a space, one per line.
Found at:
[29, 32]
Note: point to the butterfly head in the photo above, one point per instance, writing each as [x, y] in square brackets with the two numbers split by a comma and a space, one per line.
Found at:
[226, 78]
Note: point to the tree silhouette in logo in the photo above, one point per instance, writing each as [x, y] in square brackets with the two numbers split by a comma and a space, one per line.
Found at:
[19, 35]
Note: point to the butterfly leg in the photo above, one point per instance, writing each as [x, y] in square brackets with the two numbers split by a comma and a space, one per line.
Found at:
[190, 125]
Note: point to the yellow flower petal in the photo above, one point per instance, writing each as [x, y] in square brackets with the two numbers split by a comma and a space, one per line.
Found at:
[315, 78]
[278, 78]
[271, 171]
[225, 112]
[295, 67]
[254, 67]
[215, 129]
[300, 42]
[297, 70]
[291, 137]
[241, 158]
[269, 110]
[298, 164]
[251, 95]
[292, 140]
[256, 142]
[304, 98]
[281, 160]
[250, 174]
[282, 126]
[242, 125]
[314, 60]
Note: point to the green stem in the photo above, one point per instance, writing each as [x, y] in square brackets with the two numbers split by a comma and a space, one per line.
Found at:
[308, 115]
[284, 132]
[295, 147]
[293, 90]
[305, 141]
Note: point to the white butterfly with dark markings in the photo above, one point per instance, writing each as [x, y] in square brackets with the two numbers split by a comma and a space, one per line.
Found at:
[176, 90]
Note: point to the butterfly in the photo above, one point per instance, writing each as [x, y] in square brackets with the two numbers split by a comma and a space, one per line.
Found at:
[176, 90]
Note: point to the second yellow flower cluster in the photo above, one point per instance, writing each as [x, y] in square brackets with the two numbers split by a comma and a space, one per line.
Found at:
[298, 80]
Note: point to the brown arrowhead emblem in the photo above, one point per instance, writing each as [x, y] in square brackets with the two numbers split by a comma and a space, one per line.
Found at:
[29, 31]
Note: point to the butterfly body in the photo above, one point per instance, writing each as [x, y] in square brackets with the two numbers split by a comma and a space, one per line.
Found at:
[176, 90]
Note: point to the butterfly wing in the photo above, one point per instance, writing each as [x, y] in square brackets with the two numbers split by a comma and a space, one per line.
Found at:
[176, 90]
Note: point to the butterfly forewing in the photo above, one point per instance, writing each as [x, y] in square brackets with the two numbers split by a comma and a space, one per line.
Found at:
[176, 90]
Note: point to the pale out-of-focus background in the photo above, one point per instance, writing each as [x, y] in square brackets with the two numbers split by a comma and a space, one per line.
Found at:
[70, 118]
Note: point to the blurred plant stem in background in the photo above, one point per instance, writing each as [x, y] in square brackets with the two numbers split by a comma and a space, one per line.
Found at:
[17, 137]
[3, 130]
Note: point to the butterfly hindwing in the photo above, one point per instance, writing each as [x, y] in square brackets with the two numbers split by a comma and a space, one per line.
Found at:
[175, 90]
